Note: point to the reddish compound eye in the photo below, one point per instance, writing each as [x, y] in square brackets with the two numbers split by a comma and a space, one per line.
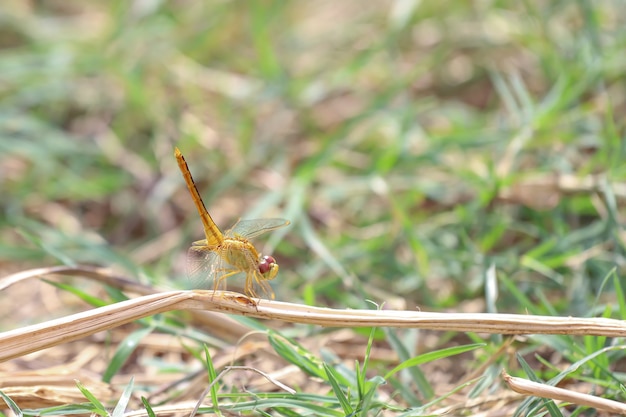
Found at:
[266, 264]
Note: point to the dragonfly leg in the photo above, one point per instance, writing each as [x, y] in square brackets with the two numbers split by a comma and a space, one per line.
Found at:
[266, 289]
[222, 279]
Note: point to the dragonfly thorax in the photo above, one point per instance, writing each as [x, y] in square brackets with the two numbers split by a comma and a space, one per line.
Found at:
[239, 253]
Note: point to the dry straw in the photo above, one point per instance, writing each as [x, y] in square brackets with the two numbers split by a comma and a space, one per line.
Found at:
[19, 342]
[29, 339]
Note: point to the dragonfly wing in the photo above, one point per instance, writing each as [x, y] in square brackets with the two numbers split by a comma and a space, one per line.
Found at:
[255, 277]
[252, 228]
[204, 266]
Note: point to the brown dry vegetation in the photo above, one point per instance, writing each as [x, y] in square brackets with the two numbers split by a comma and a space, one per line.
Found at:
[443, 157]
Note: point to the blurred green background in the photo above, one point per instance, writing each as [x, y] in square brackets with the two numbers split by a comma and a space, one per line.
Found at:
[412, 144]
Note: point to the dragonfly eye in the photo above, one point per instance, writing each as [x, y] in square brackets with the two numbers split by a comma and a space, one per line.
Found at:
[266, 264]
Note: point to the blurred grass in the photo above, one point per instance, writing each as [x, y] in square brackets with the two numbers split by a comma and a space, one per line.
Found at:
[412, 144]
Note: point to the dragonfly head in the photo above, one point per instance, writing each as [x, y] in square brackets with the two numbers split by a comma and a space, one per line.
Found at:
[268, 267]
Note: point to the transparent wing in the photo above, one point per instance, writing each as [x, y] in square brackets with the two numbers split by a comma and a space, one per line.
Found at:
[205, 267]
[254, 278]
[252, 228]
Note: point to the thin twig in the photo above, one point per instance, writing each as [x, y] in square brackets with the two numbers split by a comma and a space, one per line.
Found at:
[29, 339]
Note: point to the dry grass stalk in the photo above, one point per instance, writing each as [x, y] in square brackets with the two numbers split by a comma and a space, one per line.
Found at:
[18, 342]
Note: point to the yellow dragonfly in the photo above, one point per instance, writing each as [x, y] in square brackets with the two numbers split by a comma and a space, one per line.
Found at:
[222, 255]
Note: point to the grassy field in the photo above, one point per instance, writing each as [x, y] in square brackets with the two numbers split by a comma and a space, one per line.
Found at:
[436, 156]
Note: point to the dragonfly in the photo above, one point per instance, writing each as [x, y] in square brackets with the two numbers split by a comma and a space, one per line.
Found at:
[222, 255]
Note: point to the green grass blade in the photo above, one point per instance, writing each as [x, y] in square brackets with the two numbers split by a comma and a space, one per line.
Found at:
[11, 404]
[98, 406]
[122, 403]
[431, 356]
[124, 351]
[212, 378]
[294, 353]
[341, 396]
